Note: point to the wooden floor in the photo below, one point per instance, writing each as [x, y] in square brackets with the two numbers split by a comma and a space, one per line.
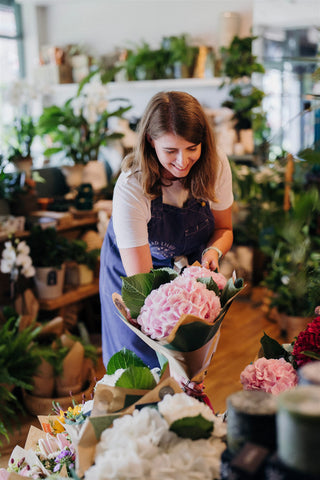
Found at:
[239, 343]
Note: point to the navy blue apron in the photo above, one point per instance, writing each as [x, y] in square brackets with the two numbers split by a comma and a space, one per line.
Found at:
[172, 231]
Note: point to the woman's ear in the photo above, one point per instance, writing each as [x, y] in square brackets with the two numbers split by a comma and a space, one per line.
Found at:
[150, 140]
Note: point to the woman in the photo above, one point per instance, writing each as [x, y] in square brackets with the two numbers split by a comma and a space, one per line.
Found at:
[171, 207]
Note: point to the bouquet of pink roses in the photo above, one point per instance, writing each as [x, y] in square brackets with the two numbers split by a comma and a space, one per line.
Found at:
[179, 316]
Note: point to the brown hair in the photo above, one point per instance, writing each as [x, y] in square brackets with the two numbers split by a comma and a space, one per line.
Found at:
[181, 114]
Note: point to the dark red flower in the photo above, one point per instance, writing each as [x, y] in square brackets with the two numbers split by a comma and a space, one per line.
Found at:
[307, 340]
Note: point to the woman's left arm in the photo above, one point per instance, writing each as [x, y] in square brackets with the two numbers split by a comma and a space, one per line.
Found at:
[221, 240]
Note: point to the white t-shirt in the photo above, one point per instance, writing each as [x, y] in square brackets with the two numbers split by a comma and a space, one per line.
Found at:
[132, 210]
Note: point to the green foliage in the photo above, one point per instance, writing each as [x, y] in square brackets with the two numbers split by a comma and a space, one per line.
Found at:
[136, 374]
[146, 63]
[78, 252]
[72, 133]
[123, 359]
[245, 100]
[18, 363]
[136, 288]
[179, 52]
[193, 427]
[292, 246]
[272, 349]
[137, 377]
[47, 247]
[259, 194]
[238, 60]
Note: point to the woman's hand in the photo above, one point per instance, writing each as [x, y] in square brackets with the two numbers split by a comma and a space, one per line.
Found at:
[210, 260]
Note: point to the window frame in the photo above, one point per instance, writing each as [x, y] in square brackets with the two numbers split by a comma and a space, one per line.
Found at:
[19, 35]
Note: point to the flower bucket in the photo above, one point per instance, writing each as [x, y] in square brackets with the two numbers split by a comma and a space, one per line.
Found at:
[49, 282]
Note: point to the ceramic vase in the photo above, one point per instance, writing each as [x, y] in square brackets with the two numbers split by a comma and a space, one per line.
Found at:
[49, 282]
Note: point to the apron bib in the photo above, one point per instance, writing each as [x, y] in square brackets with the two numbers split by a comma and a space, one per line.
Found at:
[172, 231]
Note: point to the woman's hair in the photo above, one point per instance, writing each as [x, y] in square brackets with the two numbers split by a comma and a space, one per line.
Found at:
[181, 114]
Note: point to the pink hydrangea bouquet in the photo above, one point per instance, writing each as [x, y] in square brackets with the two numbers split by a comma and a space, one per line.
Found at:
[178, 315]
[276, 369]
[270, 375]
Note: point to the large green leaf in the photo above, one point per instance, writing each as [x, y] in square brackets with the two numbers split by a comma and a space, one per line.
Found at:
[193, 427]
[123, 359]
[136, 288]
[272, 349]
[137, 377]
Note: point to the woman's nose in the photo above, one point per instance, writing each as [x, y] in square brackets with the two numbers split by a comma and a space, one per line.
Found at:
[182, 158]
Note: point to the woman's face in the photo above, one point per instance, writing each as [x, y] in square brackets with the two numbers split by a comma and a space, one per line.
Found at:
[176, 155]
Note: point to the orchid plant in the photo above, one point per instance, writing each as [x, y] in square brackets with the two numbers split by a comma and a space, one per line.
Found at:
[16, 261]
[82, 125]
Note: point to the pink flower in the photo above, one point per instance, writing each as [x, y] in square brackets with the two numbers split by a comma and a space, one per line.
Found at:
[164, 306]
[4, 474]
[271, 375]
[201, 272]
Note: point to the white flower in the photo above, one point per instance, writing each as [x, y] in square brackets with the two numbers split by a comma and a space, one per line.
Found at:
[285, 279]
[180, 405]
[6, 266]
[16, 258]
[28, 272]
[23, 260]
[140, 446]
[23, 248]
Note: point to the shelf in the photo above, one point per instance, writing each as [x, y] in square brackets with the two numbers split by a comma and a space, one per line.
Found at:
[72, 296]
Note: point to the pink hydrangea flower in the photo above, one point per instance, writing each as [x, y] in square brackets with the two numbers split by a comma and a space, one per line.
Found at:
[201, 272]
[271, 375]
[164, 306]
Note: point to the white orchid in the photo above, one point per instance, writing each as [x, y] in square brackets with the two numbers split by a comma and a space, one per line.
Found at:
[16, 259]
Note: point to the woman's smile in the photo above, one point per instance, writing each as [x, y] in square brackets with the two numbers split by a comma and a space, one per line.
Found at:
[176, 155]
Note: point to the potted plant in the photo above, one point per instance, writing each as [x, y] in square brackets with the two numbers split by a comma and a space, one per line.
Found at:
[78, 129]
[181, 55]
[292, 247]
[19, 138]
[65, 372]
[48, 251]
[81, 263]
[245, 99]
[145, 63]
[18, 363]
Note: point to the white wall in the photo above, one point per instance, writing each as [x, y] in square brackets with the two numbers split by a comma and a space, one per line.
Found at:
[104, 25]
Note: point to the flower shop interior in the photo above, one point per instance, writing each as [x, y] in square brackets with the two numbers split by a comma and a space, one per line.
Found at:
[75, 78]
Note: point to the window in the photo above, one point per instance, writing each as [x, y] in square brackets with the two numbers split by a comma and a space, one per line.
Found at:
[11, 58]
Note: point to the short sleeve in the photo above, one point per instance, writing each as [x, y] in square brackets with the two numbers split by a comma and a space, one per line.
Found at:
[223, 188]
[130, 212]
